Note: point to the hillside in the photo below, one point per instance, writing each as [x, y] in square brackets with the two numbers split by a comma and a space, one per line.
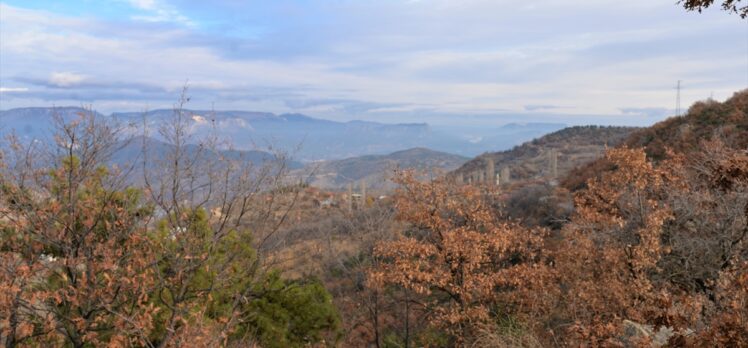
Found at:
[376, 169]
[573, 146]
[704, 121]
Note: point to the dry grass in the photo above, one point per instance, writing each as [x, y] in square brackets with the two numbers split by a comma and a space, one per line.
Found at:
[309, 256]
[505, 336]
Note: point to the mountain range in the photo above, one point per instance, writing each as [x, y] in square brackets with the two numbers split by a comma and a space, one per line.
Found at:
[305, 138]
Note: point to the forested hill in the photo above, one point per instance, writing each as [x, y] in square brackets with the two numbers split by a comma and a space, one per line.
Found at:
[574, 146]
[705, 120]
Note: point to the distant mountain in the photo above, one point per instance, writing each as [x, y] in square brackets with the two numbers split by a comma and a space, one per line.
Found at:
[376, 170]
[131, 158]
[131, 151]
[36, 122]
[573, 146]
[705, 120]
[304, 137]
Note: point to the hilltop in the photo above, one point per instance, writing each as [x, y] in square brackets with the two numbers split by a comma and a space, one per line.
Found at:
[375, 170]
[704, 121]
[573, 146]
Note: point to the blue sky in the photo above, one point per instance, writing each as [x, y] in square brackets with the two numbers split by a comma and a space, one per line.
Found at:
[480, 62]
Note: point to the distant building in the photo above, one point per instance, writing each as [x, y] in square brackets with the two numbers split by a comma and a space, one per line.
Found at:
[327, 203]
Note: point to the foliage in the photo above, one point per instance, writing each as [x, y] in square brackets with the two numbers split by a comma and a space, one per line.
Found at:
[658, 237]
[88, 261]
[705, 121]
[74, 252]
[727, 5]
[661, 243]
[285, 313]
[457, 254]
[634, 250]
[611, 248]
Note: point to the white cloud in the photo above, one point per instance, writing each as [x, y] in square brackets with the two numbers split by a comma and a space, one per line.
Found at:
[65, 79]
[158, 12]
[13, 89]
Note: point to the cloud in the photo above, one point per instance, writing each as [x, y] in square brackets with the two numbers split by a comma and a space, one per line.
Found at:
[435, 61]
[345, 106]
[541, 107]
[653, 112]
[13, 89]
[65, 79]
[158, 12]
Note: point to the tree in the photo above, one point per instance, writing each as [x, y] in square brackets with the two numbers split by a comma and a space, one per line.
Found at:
[612, 247]
[724, 321]
[291, 313]
[88, 259]
[73, 247]
[727, 5]
[461, 258]
[659, 245]
[220, 213]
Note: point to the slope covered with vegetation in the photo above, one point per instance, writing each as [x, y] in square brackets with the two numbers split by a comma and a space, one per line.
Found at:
[574, 146]
[652, 250]
[377, 170]
[705, 120]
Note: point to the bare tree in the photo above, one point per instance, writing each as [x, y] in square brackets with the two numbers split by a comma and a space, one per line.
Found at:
[214, 211]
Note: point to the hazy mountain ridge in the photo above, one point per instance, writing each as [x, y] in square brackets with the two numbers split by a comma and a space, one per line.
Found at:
[37, 122]
[131, 152]
[310, 138]
[306, 138]
[376, 170]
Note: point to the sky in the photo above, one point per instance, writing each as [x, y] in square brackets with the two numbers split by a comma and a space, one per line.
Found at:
[467, 62]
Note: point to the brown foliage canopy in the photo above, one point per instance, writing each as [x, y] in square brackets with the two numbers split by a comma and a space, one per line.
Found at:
[458, 254]
[629, 253]
[612, 247]
[663, 244]
[74, 251]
